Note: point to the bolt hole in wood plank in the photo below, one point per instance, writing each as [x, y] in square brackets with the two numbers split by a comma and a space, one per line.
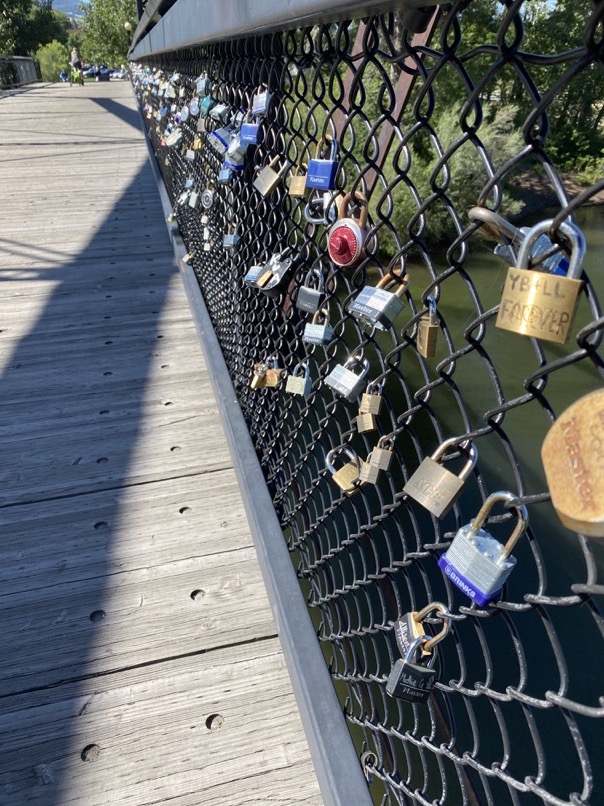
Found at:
[139, 661]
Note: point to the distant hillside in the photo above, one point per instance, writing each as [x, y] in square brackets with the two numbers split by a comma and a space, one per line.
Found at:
[70, 7]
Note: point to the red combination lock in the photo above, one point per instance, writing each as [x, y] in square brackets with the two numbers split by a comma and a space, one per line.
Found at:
[346, 238]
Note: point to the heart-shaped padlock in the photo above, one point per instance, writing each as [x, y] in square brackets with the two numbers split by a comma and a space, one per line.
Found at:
[346, 238]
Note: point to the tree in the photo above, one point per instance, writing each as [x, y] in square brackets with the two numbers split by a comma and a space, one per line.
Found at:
[13, 20]
[53, 58]
[44, 25]
[105, 38]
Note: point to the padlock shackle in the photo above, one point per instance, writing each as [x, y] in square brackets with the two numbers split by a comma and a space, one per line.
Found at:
[495, 226]
[333, 147]
[467, 445]
[352, 456]
[483, 513]
[572, 233]
[314, 272]
[424, 612]
[353, 361]
[415, 646]
[346, 201]
[324, 312]
[387, 443]
[304, 370]
[388, 280]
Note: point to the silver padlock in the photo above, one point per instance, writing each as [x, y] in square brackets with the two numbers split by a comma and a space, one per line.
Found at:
[299, 381]
[261, 102]
[477, 563]
[194, 199]
[311, 293]
[203, 85]
[257, 276]
[236, 149]
[344, 381]
[279, 267]
[378, 306]
[347, 476]
[435, 487]
[322, 207]
[316, 331]
[231, 238]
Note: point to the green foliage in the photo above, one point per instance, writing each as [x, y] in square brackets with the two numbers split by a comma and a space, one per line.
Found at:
[53, 58]
[106, 41]
[13, 22]
[25, 25]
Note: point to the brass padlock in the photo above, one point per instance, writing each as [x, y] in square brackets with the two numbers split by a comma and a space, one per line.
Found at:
[297, 183]
[258, 380]
[274, 373]
[435, 487]
[371, 399]
[538, 304]
[268, 179]
[365, 422]
[427, 331]
[379, 459]
[347, 477]
[572, 460]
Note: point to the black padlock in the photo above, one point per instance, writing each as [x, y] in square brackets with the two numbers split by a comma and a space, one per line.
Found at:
[310, 295]
[409, 680]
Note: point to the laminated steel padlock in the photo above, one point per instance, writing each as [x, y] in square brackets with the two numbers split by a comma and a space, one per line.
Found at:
[268, 179]
[299, 381]
[194, 199]
[411, 680]
[236, 149]
[572, 460]
[344, 381]
[476, 562]
[205, 106]
[538, 304]
[371, 400]
[310, 294]
[435, 487]
[317, 331]
[379, 459]
[251, 132]
[297, 182]
[208, 196]
[376, 305]
[258, 276]
[322, 171]
[346, 239]
[220, 139]
[274, 373]
[322, 208]
[203, 85]
[427, 331]
[221, 112]
[231, 238]
[347, 476]
[261, 102]
[225, 174]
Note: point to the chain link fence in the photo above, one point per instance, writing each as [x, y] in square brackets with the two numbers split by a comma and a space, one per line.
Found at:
[16, 71]
[428, 115]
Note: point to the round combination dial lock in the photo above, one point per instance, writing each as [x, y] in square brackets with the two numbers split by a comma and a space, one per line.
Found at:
[346, 239]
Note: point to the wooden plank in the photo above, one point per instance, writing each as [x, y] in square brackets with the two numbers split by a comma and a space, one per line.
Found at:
[157, 742]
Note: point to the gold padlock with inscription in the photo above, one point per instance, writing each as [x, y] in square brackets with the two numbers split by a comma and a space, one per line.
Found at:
[379, 459]
[297, 182]
[574, 468]
[427, 331]
[274, 373]
[539, 304]
[347, 477]
[365, 422]
[371, 399]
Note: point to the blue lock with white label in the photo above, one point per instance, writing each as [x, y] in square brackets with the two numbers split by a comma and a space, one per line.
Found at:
[321, 170]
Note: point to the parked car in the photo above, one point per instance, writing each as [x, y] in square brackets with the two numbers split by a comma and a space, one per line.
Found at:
[102, 74]
[90, 72]
[119, 73]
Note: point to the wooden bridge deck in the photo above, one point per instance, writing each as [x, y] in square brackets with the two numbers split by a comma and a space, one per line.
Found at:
[139, 660]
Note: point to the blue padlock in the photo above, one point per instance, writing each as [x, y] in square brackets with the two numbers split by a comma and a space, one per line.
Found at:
[321, 171]
[251, 132]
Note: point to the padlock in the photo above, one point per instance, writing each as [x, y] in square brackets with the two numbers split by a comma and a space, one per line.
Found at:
[344, 381]
[184, 113]
[257, 276]
[297, 182]
[207, 197]
[477, 563]
[251, 132]
[298, 381]
[376, 305]
[220, 139]
[322, 208]
[236, 149]
[346, 238]
[371, 400]
[274, 373]
[410, 627]
[225, 174]
[173, 138]
[379, 459]
[221, 112]
[205, 106]
[311, 292]
[203, 85]
[194, 106]
[261, 102]
[194, 200]
[316, 331]
[427, 331]
[258, 380]
[572, 460]
[538, 304]
[279, 266]
[347, 477]
[365, 421]
[190, 155]
[231, 238]
[322, 171]
[410, 680]
[435, 487]
[268, 179]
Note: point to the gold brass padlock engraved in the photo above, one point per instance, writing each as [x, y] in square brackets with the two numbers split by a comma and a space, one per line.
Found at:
[574, 467]
[427, 331]
[435, 487]
[268, 178]
[274, 373]
[346, 477]
[379, 459]
[371, 401]
[297, 182]
[538, 304]
[365, 422]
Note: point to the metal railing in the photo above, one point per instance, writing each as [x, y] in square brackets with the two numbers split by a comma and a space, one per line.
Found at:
[430, 124]
[17, 71]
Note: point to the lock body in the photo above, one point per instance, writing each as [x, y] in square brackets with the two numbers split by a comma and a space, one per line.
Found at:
[376, 307]
[427, 334]
[309, 299]
[261, 102]
[345, 382]
[278, 267]
[434, 487]
[268, 179]
[251, 133]
[321, 174]
[299, 382]
[258, 380]
[345, 243]
[410, 681]
[370, 403]
[473, 562]
[365, 422]
[297, 184]
[230, 240]
[317, 334]
[347, 478]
